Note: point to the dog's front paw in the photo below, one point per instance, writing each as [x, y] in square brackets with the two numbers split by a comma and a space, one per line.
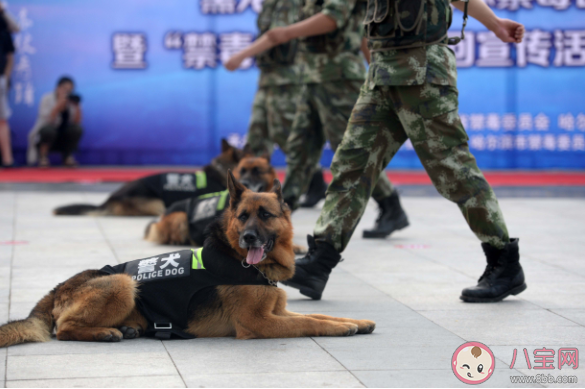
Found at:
[366, 326]
[130, 332]
[108, 335]
[299, 250]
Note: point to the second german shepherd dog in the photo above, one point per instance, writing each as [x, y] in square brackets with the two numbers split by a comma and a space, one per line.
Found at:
[185, 221]
[255, 230]
[151, 195]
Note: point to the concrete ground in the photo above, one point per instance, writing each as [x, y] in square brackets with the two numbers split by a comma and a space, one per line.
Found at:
[409, 284]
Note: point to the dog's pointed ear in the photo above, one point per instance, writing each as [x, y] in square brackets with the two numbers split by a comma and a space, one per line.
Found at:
[266, 156]
[277, 189]
[248, 152]
[235, 188]
[225, 146]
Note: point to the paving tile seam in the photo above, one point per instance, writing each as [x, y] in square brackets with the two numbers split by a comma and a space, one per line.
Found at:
[175, 365]
[14, 217]
[98, 223]
[91, 378]
[338, 361]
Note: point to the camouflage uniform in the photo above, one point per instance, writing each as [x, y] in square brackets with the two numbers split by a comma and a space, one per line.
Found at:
[274, 105]
[409, 93]
[332, 72]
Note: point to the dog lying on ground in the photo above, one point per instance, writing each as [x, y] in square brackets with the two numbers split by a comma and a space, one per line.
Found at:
[186, 221]
[226, 288]
[151, 195]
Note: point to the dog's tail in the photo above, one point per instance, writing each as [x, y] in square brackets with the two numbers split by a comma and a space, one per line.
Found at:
[79, 209]
[36, 328]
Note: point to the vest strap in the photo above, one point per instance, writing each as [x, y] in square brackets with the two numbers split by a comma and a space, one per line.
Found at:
[201, 179]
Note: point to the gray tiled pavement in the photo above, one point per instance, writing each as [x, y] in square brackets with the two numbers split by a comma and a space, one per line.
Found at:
[408, 284]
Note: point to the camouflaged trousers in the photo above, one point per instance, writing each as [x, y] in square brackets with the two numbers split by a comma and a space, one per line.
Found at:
[381, 121]
[323, 110]
[273, 112]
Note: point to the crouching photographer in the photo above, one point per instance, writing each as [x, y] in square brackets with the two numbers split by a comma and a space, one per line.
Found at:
[58, 125]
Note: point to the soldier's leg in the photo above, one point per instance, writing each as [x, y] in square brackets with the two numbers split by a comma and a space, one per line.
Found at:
[304, 144]
[258, 138]
[373, 136]
[429, 113]
[430, 116]
[335, 102]
[281, 107]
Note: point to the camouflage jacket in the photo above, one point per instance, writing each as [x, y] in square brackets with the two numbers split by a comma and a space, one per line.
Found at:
[434, 63]
[336, 55]
[278, 13]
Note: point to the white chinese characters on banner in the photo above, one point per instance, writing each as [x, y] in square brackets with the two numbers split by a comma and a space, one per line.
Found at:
[230, 44]
[515, 5]
[24, 90]
[199, 50]
[129, 50]
[227, 7]
[559, 48]
[205, 50]
[530, 129]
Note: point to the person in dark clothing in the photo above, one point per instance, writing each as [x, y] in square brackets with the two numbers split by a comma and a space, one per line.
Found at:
[58, 125]
[6, 63]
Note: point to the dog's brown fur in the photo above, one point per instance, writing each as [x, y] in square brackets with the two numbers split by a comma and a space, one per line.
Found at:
[95, 307]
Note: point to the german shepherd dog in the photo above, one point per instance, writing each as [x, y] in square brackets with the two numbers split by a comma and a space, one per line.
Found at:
[185, 222]
[255, 231]
[151, 195]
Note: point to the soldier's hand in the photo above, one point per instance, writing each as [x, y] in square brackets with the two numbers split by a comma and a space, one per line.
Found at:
[233, 63]
[509, 31]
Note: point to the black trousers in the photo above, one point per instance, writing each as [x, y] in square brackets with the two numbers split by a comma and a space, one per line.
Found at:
[63, 140]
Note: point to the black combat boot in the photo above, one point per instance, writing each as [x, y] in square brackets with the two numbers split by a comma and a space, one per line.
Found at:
[312, 271]
[391, 218]
[503, 275]
[316, 192]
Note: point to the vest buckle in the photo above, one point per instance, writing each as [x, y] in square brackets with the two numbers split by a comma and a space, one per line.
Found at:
[168, 326]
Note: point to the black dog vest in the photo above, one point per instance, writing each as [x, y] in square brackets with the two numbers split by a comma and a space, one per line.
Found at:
[201, 211]
[168, 283]
[173, 187]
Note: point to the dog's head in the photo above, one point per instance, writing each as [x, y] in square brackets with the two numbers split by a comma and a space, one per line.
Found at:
[255, 173]
[259, 229]
[228, 159]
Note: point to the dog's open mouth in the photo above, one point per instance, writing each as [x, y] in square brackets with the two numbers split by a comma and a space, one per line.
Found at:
[258, 254]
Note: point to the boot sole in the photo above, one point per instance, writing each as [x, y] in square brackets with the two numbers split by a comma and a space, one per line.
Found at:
[514, 291]
[303, 290]
[381, 235]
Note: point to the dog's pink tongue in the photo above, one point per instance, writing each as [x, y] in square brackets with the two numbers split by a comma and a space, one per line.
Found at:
[254, 255]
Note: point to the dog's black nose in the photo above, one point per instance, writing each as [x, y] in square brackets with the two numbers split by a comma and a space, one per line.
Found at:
[250, 237]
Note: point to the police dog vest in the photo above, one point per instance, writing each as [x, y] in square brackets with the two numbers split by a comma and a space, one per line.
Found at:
[169, 282]
[400, 24]
[201, 211]
[172, 187]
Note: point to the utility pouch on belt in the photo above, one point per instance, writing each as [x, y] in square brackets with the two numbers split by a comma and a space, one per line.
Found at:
[401, 24]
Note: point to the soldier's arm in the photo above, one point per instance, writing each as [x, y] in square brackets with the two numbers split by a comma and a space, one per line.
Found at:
[315, 25]
[505, 29]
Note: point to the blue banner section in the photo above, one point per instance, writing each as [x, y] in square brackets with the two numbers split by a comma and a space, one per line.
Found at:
[155, 91]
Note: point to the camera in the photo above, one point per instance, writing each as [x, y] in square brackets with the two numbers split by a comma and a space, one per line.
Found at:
[74, 98]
